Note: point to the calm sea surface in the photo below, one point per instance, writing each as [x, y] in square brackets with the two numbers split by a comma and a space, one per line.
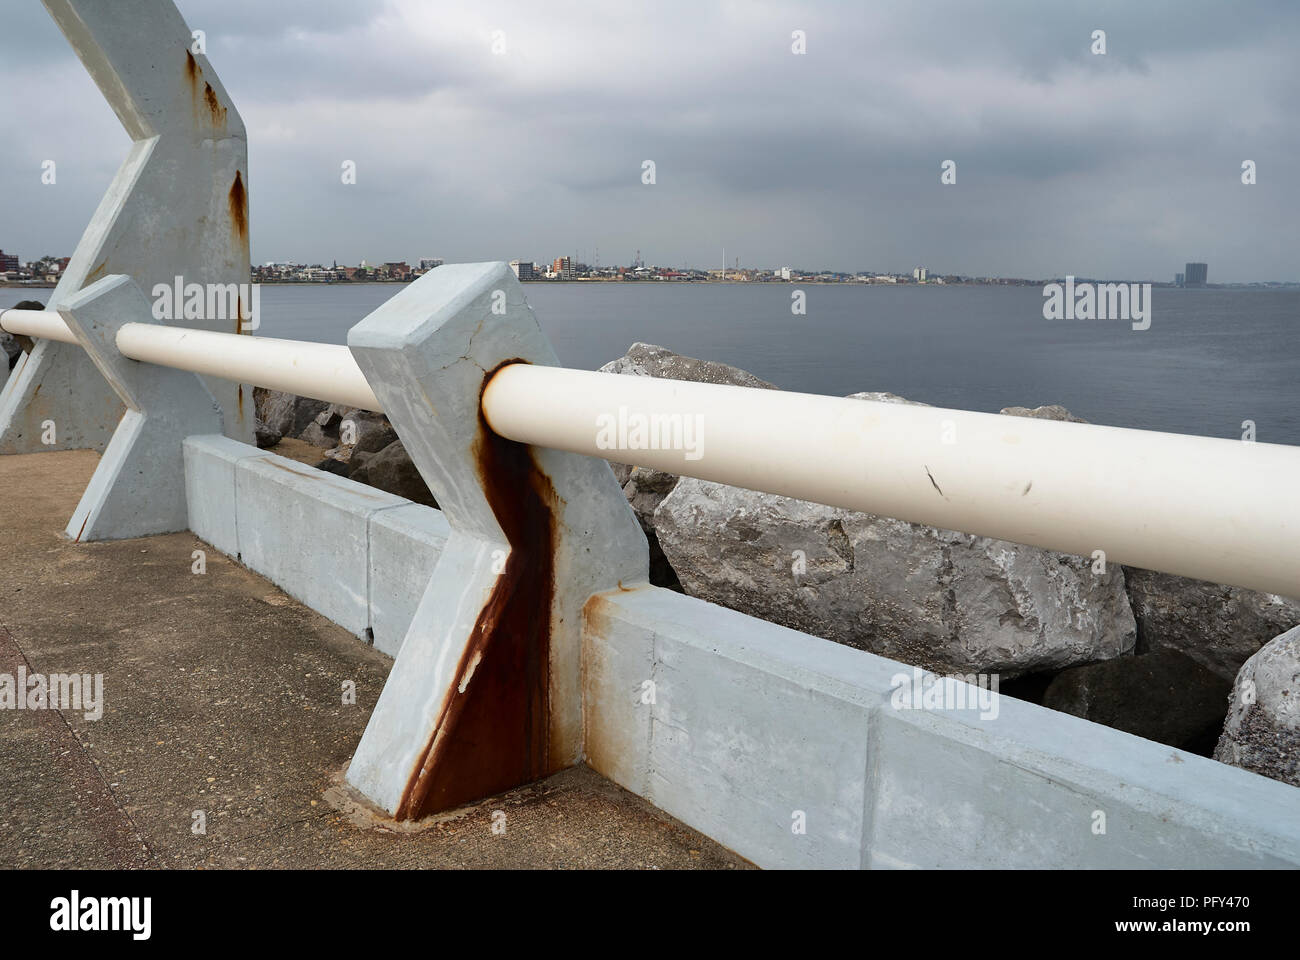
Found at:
[1211, 359]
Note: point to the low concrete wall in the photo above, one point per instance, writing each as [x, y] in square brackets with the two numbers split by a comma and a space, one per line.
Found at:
[788, 749]
[355, 554]
[745, 730]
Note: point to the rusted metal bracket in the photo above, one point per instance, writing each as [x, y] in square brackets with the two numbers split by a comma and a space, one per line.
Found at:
[486, 692]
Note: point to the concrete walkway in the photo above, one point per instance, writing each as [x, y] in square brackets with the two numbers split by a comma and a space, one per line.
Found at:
[223, 695]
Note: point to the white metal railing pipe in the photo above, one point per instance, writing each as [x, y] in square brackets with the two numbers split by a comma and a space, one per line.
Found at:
[1219, 510]
[1213, 509]
[45, 324]
[322, 371]
[319, 370]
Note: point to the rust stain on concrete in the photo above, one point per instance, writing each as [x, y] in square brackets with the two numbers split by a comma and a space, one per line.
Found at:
[494, 729]
[216, 112]
[238, 203]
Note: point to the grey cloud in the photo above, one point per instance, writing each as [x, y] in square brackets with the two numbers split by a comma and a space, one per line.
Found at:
[830, 159]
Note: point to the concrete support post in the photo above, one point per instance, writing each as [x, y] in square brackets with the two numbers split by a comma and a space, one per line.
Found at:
[178, 207]
[486, 693]
[139, 486]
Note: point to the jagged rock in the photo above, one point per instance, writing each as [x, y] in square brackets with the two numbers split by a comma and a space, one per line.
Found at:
[648, 360]
[319, 436]
[323, 431]
[370, 432]
[285, 413]
[1052, 411]
[330, 465]
[645, 489]
[885, 397]
[265, 436]
[1262, 731]
[1162, 696]
[391, 469]
[1216, 625]
[933, 598]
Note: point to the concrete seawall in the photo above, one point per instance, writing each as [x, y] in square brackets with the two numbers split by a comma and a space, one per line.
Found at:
[357, 555]
[786, 748]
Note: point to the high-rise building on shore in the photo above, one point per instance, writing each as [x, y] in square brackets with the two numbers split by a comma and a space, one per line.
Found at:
[562, 268]
[7, 262]
[523, 269]
[1195, 275]
[1179, 279]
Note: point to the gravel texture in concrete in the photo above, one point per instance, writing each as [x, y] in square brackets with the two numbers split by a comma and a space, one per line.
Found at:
[226, 726]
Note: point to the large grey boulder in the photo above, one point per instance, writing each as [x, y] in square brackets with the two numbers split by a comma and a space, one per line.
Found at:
[392, 470]
[264, 436]
[1262, 732]
[645, 489]
[285, 413]
[934, 598]
[1162, 696]
[1216, 625]
[648, 360]
[346, 432]
[1051, 411]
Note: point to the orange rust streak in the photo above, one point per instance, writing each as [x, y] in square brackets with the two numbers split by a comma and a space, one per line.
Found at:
[496, 735]
[238, 203]
[216, 112]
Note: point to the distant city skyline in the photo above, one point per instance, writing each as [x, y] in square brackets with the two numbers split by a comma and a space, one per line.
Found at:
[48, 268]
[1126, 164]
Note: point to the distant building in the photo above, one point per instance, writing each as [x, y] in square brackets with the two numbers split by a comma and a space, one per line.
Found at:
[1178, 279]
[397, 269]
[562, 268]
[1196, 275]
[784, 273]
[428, 263]
[918, 274]
[8, 262]
[523, 269]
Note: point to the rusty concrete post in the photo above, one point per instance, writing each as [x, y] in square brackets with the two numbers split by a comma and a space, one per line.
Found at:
[178, 207]
[486, 692]
[138, 488]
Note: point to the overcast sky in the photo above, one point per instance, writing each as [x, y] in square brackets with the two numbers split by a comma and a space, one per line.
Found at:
[1124, 165]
